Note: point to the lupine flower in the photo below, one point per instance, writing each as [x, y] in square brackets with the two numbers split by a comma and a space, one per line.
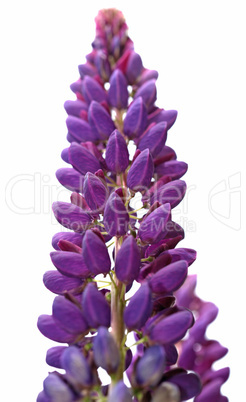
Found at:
[111, 249]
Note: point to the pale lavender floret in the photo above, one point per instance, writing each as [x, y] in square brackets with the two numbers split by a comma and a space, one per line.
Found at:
[106, 352]
[120, 393]
[58, 283]
[92, 90]
[68, 315]
[134, 67]
[82, 159]
[150, 367]
[100, 121]
[96, 308]
[154, 139]
[139, 308]
[118, 93]
[173, 169]
[135, 120]
[75, 238]
[95, 192]
[53, 356]
[95, 254]
[70, 264]
[148, 93]
[127, 263]
[79, 129]
[78, 371]
[116, 218]
[50, 328]
[141, 172]
[70, 179]
[117, 155]
[169, 278]
[172, 193]
[154, 227]
[57, 390]
[75, 107]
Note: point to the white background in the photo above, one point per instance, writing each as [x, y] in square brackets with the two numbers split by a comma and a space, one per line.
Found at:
[198, 47]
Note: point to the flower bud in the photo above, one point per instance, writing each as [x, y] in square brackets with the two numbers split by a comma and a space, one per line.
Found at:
[92, 90]
[151, 366]
[68, 315]
[75, 108]
[169, 278]
[141, 172]
[154, 139]
[173, 169]
[127, 262]
[95, 192]
[135, 121]
[78, 371]
[189, 385]
[58, 283]
[165, 155]
[57, 390]
[169, 116]
[154, 228]
[70, 179]
[120, 393]
[53, 356]
[106, 353]
[87, 69]
[75, 238]
[96, 308]
[100, 121]
[139, 308]
[71, 216]
[95, 254]
[118, 93]
[70, 264]
[116, 218]
[147, 91]
[117, 155]
[50, 328]
[80, 129]
[82, 160]
[172, 192]
[134, 67]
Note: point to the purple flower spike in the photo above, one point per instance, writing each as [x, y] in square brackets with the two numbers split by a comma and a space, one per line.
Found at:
[95, 192]
[70, 264]
[154, 227]
[78, 371]
[151, 366]
[116, 218]
[172, 192]
[49, 328]
[70, 179]
[173, 169]
[127, 262]
[68, 315]
[92, 90]
[141, 172]
[70, 216]
[148, 92]
[82, 160]
[170, 278]
[57, 390]
[117, 155]
[58, 283]
[96, 308]
[154, 139]
[79, 129]
[173, 328]
[120, 393]
[139, 308]
[135, 121]
[100, 121]
[53, 356]
[106, 352]
[134, 67]
[95, 254]
[118, 93]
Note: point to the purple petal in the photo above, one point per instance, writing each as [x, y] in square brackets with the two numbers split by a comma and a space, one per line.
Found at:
[154, 227]
[173, 328]
[95, 192]
[165, 155]
[79, 129]
[102, 64]
[97, 262]
[106, 353]
[57, 390]
[148, 92]
[71, 216]
[169, 278]
[49, 328]
[139, 308]
[207, 315]
[134, 67]
[151, 366]
[127, 262]
[188, 384]
[116, 218]
[172, 192]
[117, 155]
[42, 397]
[171, 354]
[70, 264]
[154, 139]
[163, 115]
[117, 93]
[58, 283]
[76, 87]
[185, 295]
[68, 315]
[82, 160]
[135, 121]
[53, 356]
[96, 308]
[210, 392]
[186, 254]
[70, 178]
[173, 169]
[147, 75]
[120, 393]
[75, 238]
[100, 121]
[87, 69]
[77, 368]
[92, 90]
[65, 155]
[141, 172]
[74, 108]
